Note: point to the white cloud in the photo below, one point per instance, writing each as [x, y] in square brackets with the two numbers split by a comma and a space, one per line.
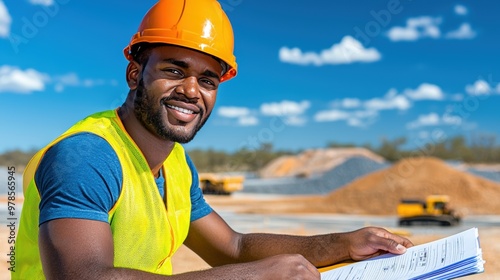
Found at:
[5, 21]
[460, 10]
[463, 32]
[13, 79]
[451, 120]
[367, 111]
[403, 34]
[390, 101]
[425, 120]
[72, 80]
[352, 118]
[42, 2]
[295, 120]
[433, 119]
[425, 91]
[243, 115]
[233, 112]
[347, 103]
[349, 50]
[331, 115]
[416, 28]
[93, 83]
[248, 121]
[291, 112]
[480, 87]
[395, 101]
[284, 108]
[355, 122]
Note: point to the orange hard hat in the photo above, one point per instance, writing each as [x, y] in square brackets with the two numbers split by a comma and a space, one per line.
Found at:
[201, 25]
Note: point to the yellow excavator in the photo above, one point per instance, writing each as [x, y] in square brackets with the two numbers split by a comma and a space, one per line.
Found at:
[433, 210]
[223, 184]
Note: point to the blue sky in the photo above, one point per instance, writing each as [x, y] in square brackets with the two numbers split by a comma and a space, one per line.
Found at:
[310, 72]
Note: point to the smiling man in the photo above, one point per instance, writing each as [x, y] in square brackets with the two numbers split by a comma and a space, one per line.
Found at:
[169, 108]
[116, 195]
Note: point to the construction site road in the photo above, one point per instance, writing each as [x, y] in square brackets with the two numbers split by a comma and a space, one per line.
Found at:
[325, 223]
[246, 213]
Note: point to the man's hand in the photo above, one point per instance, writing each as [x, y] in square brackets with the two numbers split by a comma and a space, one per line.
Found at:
[214, 241]
[279, 267]
[289, 266]
[369, 242]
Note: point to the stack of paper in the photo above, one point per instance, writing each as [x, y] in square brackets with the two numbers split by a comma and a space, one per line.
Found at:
[451, 257]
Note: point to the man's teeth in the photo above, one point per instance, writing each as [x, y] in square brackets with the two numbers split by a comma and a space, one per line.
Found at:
[182, 110]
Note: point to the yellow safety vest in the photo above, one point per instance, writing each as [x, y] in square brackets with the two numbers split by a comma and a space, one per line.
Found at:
[145, 232]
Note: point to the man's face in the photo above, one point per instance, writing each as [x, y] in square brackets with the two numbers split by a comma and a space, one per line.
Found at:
[176, 92]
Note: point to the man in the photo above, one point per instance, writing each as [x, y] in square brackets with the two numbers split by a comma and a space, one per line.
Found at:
[116, 195]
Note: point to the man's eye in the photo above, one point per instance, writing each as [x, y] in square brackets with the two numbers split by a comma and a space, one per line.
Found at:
[173, 71]
[207, 81]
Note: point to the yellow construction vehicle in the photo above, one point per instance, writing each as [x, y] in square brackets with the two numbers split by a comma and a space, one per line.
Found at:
[225, 184]
[433, 210]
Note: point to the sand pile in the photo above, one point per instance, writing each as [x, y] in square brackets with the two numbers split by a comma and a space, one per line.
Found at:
[379, 192]
[313, 162]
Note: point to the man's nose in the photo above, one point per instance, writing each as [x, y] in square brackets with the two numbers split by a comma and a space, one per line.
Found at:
[189, 87]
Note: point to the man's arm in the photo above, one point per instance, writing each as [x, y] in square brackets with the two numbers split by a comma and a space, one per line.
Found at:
[75, 238]
[75, 248]
[212, 239]
[83, 249]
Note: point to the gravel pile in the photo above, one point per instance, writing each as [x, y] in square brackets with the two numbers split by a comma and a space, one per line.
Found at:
[324, 183]
[314, 162]
[487, 171]
[490, 175]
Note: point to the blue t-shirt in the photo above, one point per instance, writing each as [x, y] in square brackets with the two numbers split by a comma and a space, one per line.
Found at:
[81, 177]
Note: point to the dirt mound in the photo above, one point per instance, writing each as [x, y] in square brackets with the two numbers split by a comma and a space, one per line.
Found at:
[379, 192]
[313, 162]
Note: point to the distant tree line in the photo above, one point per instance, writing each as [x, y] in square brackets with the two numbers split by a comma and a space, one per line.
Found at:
[480, 149]
[16, 158]
[243, 160]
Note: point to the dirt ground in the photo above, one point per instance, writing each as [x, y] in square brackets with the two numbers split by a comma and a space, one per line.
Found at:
[374, 194]
[186, 260]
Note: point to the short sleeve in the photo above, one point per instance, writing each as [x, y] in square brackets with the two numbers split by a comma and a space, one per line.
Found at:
[199, 207]
[79, 177]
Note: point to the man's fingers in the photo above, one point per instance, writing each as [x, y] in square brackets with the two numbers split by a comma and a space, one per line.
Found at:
[394, 243]
[309, 266]
[402, 240]
[313, 269]
[301, 266]
[398, 245]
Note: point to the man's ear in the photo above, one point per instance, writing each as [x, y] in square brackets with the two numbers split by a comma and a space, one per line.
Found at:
[132, 74]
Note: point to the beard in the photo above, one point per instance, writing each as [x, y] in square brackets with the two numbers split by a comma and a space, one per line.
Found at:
[151, 116]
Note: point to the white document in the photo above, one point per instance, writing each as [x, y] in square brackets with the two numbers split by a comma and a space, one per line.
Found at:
[451, 257]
